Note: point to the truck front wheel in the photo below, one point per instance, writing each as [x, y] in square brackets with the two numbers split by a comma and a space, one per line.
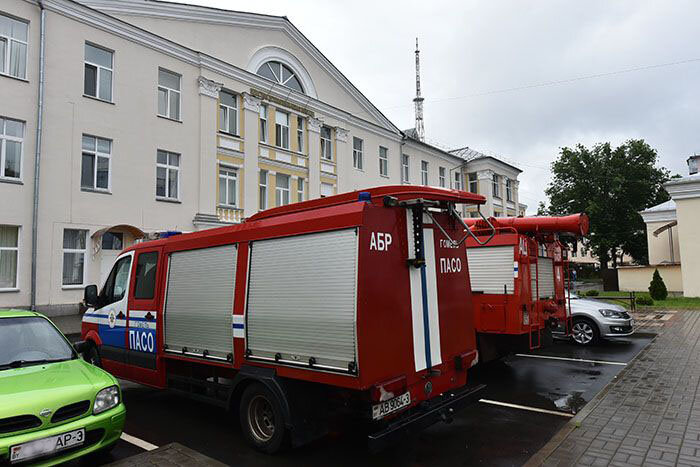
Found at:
[262, 421]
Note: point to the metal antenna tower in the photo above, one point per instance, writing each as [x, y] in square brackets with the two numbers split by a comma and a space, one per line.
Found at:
[418, 100]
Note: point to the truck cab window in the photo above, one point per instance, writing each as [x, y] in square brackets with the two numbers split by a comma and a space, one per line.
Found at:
[145, 281]
[117, 282]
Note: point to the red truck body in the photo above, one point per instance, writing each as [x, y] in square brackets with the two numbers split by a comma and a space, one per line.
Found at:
[518, 281]
[358, 297]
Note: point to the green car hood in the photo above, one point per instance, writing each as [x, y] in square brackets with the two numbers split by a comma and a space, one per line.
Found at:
[31, 389]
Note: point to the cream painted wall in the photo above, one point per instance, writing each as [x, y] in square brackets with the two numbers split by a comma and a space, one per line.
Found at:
[216, 40]
[660, 247]
[687, 210]
[18, 100]
[637, 278]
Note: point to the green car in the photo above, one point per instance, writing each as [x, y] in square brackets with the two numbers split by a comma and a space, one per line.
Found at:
[54, 406]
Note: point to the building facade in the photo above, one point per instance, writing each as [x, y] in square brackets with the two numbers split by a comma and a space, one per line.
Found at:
[160, 117]
[673, 239]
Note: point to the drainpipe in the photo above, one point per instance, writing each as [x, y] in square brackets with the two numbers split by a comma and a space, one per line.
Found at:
[37, 155]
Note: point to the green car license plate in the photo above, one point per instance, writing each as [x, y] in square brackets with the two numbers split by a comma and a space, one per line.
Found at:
[44, 446]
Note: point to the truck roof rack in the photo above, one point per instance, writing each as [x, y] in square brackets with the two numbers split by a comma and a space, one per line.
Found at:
[398, 192]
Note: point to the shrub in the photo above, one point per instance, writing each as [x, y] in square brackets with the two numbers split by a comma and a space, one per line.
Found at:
[657, 288]
[644, 300]
[592, 293]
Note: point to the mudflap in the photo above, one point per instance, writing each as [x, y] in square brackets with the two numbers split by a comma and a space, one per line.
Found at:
[440, 408]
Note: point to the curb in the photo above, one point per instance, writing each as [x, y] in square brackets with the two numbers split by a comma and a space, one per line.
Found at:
[540, 456]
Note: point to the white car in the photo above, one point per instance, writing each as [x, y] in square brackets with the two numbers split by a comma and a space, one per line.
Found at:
[594, 320]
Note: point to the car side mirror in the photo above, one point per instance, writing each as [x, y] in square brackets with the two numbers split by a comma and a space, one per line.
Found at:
[90, 298]
[81, 347]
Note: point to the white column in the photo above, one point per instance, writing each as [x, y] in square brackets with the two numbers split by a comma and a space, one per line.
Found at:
[485, 178]
[251, 117]
[516, 196]
[343, 161]
[208, 95]
[314, 126]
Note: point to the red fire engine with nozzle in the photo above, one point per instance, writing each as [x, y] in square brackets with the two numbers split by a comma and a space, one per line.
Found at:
[348, 304]
[519, 281]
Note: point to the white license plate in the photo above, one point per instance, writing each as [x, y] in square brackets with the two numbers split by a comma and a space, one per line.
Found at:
[392, 405]
[44, 446]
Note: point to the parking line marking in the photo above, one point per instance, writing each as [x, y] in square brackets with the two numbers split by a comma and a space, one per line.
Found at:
[582, 360]
[138, 442]
[525, 407]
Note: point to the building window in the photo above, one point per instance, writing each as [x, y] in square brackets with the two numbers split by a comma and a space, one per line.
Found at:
[228, 113]
[509, 189]
[326, 148]
[282, 129]
[74, 248]
[263, 123]
[300, 134]
[574, 253]
[281, 74]
[282, 190]
[13, 47]
[98, 73]
[473, 183]
[474, 214]
[263, 190]
[497, 214]
[424, 173]
[326, 190]
[113, 241]
[300, 189]
[11, 142]
[228, 186]
[96, 163]
[404, 168]
[167, 175]
[9, 253]
[458, 180]
[441, 177]
[168, 94]
[383, 161]
[357, 161]
[496, 186]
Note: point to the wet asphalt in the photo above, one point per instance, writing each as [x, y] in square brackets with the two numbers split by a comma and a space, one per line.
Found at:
[481, 434]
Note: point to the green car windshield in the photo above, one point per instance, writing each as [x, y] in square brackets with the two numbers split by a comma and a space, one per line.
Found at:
[28, 341]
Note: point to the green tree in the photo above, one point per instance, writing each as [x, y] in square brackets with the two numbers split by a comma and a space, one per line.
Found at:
[611, 186]
[657, 288]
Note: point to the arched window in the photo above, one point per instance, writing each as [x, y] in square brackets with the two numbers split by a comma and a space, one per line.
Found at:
[280, 73]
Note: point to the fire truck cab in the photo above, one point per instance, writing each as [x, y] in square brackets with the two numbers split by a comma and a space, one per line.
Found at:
[351, 304]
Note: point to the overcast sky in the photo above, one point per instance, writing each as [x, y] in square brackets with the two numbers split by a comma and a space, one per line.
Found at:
[474, 53]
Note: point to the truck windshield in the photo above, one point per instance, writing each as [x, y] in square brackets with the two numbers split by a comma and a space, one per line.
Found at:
[31, 341]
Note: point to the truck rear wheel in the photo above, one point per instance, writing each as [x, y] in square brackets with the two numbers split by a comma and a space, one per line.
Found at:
[262, 421]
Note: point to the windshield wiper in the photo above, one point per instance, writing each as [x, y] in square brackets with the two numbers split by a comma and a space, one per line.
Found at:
[21, 363]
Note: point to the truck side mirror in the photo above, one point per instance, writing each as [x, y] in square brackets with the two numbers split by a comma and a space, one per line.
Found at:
[90, 297]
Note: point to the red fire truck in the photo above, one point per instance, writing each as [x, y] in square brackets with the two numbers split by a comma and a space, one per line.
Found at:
[350, 304]
[518, 281]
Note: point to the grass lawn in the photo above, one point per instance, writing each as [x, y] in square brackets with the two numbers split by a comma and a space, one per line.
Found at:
[671, 303]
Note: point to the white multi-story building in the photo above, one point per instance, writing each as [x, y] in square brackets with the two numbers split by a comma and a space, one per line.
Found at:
[154, 116]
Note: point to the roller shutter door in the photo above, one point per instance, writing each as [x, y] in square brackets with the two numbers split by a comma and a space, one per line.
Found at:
[545, 272]
[491, 268]
[302, 299]
[199, 302]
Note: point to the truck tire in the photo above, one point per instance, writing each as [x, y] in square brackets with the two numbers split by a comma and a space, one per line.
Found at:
[262, 420]
[92, 356]
[585, 332]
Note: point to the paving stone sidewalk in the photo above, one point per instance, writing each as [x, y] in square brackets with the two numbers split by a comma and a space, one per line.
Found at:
[650, 415]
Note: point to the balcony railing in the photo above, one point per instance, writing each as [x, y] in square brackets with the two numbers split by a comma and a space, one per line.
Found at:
[232, 215]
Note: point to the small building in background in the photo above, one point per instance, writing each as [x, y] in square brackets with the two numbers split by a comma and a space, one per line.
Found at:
[673, 239]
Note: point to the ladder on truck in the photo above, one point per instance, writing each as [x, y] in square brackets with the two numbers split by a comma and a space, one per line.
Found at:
[536, 315]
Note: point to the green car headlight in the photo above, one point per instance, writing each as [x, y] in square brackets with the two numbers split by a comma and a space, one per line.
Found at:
[106, 399]
[610, 313]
